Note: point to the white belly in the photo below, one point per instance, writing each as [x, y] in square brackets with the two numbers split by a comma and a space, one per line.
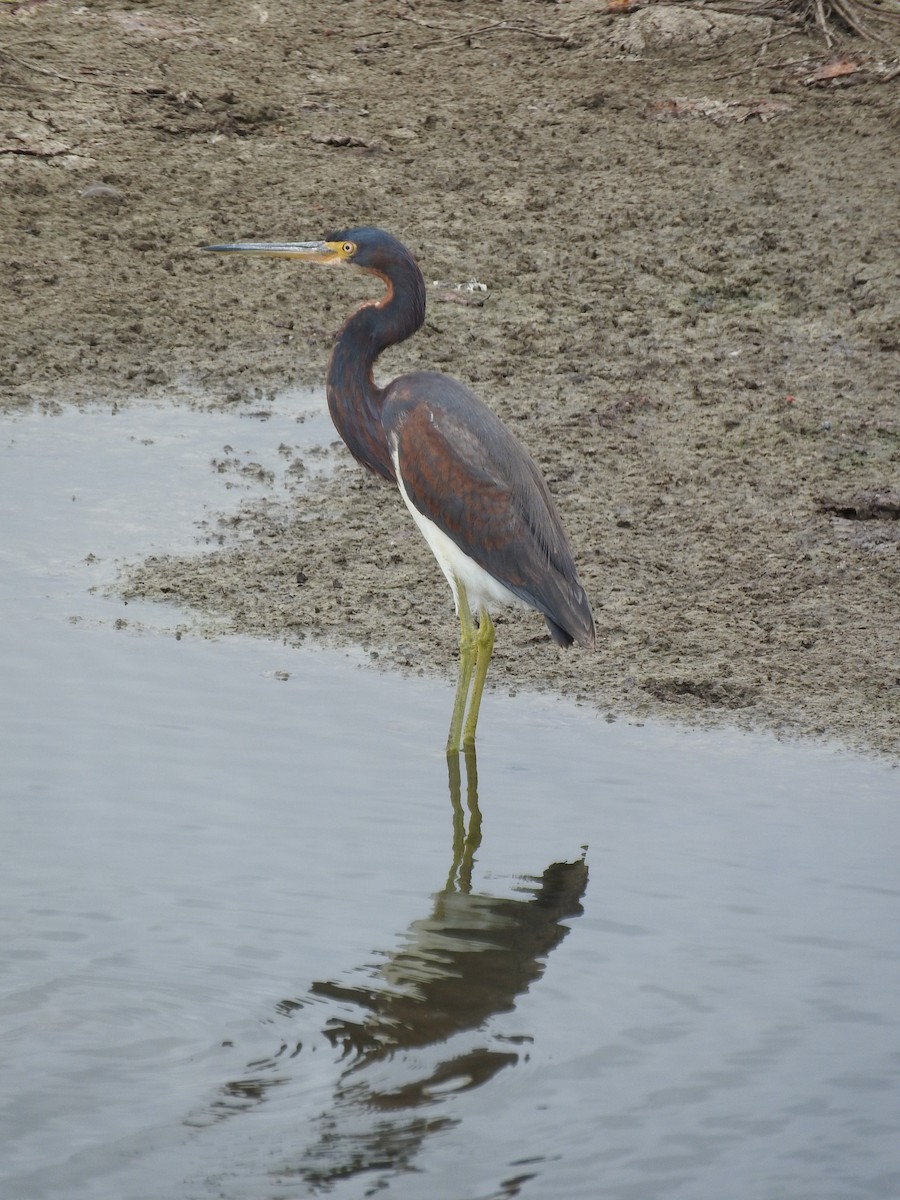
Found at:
[481, 589]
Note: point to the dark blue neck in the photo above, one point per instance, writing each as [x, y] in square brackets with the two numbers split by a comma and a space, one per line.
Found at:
[354, 401]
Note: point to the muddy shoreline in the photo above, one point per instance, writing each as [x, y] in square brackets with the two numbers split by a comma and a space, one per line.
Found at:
[691, 315]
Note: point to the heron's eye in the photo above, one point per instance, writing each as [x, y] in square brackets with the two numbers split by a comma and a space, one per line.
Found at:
[348, 248]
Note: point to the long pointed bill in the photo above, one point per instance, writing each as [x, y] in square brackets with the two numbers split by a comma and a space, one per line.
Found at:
[320, 252]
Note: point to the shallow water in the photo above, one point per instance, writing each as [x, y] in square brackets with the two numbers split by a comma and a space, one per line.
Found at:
[259, 943]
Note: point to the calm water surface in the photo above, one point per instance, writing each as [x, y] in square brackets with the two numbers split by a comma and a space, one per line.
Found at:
[258, 941]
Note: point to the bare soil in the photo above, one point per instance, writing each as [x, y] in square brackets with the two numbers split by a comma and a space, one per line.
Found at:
[689, 243]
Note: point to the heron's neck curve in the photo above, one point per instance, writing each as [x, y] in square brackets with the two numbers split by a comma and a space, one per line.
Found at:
[354, 400]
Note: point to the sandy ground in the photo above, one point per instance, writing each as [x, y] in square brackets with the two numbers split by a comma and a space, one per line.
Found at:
[689, 245]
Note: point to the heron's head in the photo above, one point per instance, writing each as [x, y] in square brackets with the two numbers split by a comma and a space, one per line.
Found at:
[370, 250]
[361, 246]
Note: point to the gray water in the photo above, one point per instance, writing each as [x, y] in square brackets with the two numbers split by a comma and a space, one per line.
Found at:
[258, 943]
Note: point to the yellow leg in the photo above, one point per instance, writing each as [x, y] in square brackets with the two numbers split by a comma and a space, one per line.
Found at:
[484, 650]
[465, 840]
[459, 821]
[473, 836]
[467, 654]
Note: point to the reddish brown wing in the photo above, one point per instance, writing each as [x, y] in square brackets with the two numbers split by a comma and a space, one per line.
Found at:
[464, 470]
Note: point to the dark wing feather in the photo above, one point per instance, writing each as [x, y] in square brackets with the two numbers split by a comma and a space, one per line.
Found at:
[465, 471]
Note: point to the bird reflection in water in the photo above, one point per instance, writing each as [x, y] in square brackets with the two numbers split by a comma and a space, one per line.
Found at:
[414, 1030]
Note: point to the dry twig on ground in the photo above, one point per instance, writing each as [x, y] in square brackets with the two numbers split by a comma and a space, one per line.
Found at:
[870, 19]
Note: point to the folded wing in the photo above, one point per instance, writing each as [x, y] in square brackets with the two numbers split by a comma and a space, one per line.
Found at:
[465, 471]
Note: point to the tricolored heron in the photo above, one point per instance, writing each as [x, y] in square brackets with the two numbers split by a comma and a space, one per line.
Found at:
[474, 491]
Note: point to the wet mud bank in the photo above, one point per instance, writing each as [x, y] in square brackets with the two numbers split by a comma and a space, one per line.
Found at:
[691, 314]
